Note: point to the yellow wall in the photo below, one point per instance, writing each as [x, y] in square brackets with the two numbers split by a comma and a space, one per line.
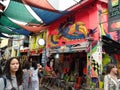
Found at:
[34, 41]
[13, 53]
[4, 43]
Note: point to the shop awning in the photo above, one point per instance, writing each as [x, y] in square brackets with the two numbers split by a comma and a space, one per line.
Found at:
[110, 46]
[7, 31]
[2, 35]
[6, 23]
[35, 15]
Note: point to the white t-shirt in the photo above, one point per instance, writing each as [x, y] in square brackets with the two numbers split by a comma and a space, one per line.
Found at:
[34, 74]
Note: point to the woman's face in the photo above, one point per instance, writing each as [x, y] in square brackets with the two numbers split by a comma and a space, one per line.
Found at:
[14, 65]
[114, 70]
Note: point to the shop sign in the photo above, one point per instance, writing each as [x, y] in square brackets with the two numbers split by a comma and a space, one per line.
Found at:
[18, 40]
[16, 47]
[37, 41]
[114, 15]
[39, 51]
[24, 50]
[33, 52]
[36, 52]
[70, 48]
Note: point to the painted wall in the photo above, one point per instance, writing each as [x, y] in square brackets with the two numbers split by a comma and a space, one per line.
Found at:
[69, 29]
[75, 28]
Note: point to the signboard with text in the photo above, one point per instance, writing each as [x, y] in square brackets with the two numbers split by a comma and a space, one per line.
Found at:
[114, 15]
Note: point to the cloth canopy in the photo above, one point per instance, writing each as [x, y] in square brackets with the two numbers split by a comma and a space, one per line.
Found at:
[2, 35]
[31, 16]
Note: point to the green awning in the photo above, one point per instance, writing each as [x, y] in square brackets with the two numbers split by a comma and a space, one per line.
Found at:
[7, 31]
[6, 22]
[33, 15]
[19, 13]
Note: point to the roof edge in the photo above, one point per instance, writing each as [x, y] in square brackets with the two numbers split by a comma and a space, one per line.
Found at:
[105, 1]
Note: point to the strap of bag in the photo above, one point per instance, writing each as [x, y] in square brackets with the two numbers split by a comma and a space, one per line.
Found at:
[5, 81]
[12, 85]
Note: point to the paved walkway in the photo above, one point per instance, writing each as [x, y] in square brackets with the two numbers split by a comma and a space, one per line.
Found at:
[44, 88]
[49, 88]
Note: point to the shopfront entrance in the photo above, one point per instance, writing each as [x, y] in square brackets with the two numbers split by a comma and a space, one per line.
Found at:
[72, 67]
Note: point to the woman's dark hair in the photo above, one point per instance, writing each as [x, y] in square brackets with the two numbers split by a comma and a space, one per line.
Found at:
[109, 68]
[26, 65]
[30, 59]
[19, 73]
[34, 64]
[48, 63]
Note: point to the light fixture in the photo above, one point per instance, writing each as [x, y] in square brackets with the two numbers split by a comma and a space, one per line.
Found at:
[41, 42]
[57, 56]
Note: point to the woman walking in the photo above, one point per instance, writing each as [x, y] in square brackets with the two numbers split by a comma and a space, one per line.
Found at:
[110, 80]
[34, 78]
[26, 76]
[13, 75]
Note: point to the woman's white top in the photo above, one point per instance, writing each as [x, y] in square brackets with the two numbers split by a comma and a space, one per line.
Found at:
[110, 83]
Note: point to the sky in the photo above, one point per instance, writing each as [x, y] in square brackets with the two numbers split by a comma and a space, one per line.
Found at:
[57, 4]
[63, 4]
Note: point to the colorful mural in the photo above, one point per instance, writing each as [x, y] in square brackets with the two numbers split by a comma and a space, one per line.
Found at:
[70, 30]
[73, 30]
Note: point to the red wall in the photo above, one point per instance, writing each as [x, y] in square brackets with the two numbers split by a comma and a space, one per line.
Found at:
[88, 15]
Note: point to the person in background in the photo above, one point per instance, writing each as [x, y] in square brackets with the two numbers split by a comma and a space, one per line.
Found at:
[34, 78]
[30, 59]
[40, 74]
[49, 70]
[52, 62]
[13, 75]
[27, 74]
[110, 80]
[66, 65]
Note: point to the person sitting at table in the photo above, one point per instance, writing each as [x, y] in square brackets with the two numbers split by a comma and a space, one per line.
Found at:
[49, 70]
